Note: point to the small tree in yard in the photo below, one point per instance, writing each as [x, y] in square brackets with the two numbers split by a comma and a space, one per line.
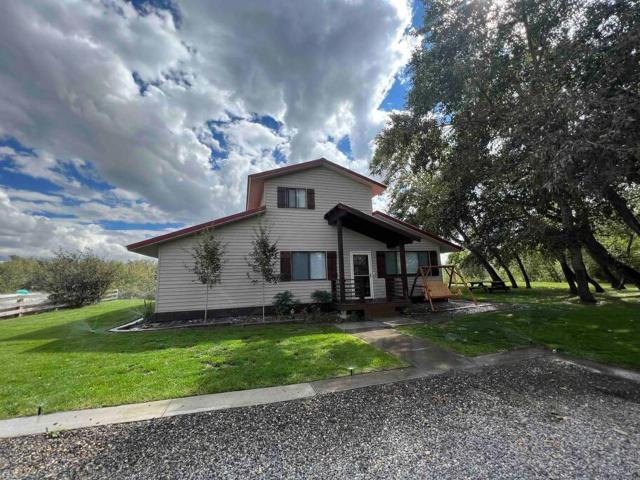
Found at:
[208, 260]
[262, 260]
[75, 278]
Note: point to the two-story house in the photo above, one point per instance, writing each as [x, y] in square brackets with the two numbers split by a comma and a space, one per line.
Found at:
[320, 214]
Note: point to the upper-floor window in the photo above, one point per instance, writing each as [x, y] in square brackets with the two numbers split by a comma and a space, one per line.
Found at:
[296, 198]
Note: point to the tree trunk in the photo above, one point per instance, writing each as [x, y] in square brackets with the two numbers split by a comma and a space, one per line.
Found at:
[601, 255]
[512, 279]
[485, 263]
[611, 278]
[570, 234]
[621, 207]
[577, 262]
[206, 304]
[505, 267]
[480, 257]
[263, 300]
[523, 271]
[568, 274]
[595, 284]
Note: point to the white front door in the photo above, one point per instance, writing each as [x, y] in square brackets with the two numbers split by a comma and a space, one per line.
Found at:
[361, 274]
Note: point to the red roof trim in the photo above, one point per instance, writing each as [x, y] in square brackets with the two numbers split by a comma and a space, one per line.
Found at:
[413, 227]
[310, 164]
[195, 228]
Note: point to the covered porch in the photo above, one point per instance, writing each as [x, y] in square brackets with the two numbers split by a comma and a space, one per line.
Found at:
[355, 293]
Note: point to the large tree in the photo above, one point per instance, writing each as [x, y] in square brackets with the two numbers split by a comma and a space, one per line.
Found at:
[522, 129]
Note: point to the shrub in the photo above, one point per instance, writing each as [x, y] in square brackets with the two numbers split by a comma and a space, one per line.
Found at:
[135, 279]
[18, 272]
[75, 278]
[147, 310]
[284, 302]
[321, 296]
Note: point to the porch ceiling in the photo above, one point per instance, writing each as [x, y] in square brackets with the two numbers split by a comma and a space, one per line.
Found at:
[368, 225]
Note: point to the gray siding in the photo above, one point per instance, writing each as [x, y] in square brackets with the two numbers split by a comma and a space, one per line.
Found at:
[293, 229]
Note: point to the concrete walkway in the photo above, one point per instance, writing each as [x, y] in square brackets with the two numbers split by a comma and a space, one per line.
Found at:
[421, 354]
[425, 359]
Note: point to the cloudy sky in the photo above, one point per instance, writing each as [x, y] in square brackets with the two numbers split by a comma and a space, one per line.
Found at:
[122, 120]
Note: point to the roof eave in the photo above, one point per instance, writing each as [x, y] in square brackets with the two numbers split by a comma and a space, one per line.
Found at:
[450, 246]
[136, 247]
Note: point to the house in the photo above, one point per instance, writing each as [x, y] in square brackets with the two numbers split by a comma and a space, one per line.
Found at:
[320, 214]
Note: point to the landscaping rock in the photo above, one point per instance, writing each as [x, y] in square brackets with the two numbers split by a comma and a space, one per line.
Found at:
[537, 418]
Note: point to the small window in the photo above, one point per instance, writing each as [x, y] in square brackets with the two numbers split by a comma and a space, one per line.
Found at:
[300, 266]
[389, 262]
[317, 266]
[412, 262]
[392, 263]
[308, 266]
[296, 198]
[301, 198]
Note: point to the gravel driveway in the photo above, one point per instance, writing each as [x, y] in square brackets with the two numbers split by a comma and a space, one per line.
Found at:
[540, 418]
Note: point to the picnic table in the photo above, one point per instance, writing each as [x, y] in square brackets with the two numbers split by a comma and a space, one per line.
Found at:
[488, 287]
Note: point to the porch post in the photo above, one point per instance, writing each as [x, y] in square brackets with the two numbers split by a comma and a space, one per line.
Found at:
[340, 260]
[403, 271]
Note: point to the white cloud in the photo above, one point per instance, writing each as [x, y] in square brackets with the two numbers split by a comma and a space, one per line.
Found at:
[68, 92]
[34, 235]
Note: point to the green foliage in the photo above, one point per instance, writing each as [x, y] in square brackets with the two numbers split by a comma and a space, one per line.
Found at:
[135, 279]
[263, 257]
[75, 278]
[284, 302]
[208, 258]
[17, 273]
[521, 130]
[321, 296]
[147, 310]
[69, 360]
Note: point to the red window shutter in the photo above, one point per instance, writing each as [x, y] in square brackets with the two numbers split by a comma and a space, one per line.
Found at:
[311, 199]
[382, 266]
[282, 197]
[332, 266]
[433, 260]
[285, 266]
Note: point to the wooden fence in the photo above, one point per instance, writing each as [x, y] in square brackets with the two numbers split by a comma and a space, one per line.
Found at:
[19, 305]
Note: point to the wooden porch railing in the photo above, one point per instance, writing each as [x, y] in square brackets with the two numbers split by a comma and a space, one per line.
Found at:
[356, 290]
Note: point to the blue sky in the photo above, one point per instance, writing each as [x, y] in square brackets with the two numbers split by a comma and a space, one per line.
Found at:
[119, 121]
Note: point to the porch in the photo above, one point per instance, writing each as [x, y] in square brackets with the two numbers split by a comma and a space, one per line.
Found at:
[356, 293]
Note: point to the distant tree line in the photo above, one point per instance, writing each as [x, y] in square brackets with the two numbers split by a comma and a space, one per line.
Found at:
[78, 277]
[521, 138]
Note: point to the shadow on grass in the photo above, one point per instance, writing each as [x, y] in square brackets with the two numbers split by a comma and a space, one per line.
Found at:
[91, 334]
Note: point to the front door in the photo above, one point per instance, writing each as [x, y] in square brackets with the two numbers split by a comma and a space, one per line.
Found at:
[361, 273]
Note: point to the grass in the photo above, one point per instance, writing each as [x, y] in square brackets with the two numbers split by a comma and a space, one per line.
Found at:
[549, 316]
[68, 360]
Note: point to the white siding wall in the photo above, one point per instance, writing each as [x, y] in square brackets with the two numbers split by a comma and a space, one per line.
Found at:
[294, 229]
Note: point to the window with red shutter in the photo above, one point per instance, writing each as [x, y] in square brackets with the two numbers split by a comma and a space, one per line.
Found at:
[332, 265]
[285, 266]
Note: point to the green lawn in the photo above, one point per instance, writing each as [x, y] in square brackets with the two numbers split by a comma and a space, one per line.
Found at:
[547, 315]
[67, 360]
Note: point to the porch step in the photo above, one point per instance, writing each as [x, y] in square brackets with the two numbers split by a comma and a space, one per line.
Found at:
[373, 308]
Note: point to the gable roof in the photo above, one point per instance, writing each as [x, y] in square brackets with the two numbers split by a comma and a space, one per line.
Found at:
[150, 245]
[373, 227]
[452, 247]
[255, 181]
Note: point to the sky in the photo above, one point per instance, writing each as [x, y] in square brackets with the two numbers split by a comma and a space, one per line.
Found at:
[125, 120]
